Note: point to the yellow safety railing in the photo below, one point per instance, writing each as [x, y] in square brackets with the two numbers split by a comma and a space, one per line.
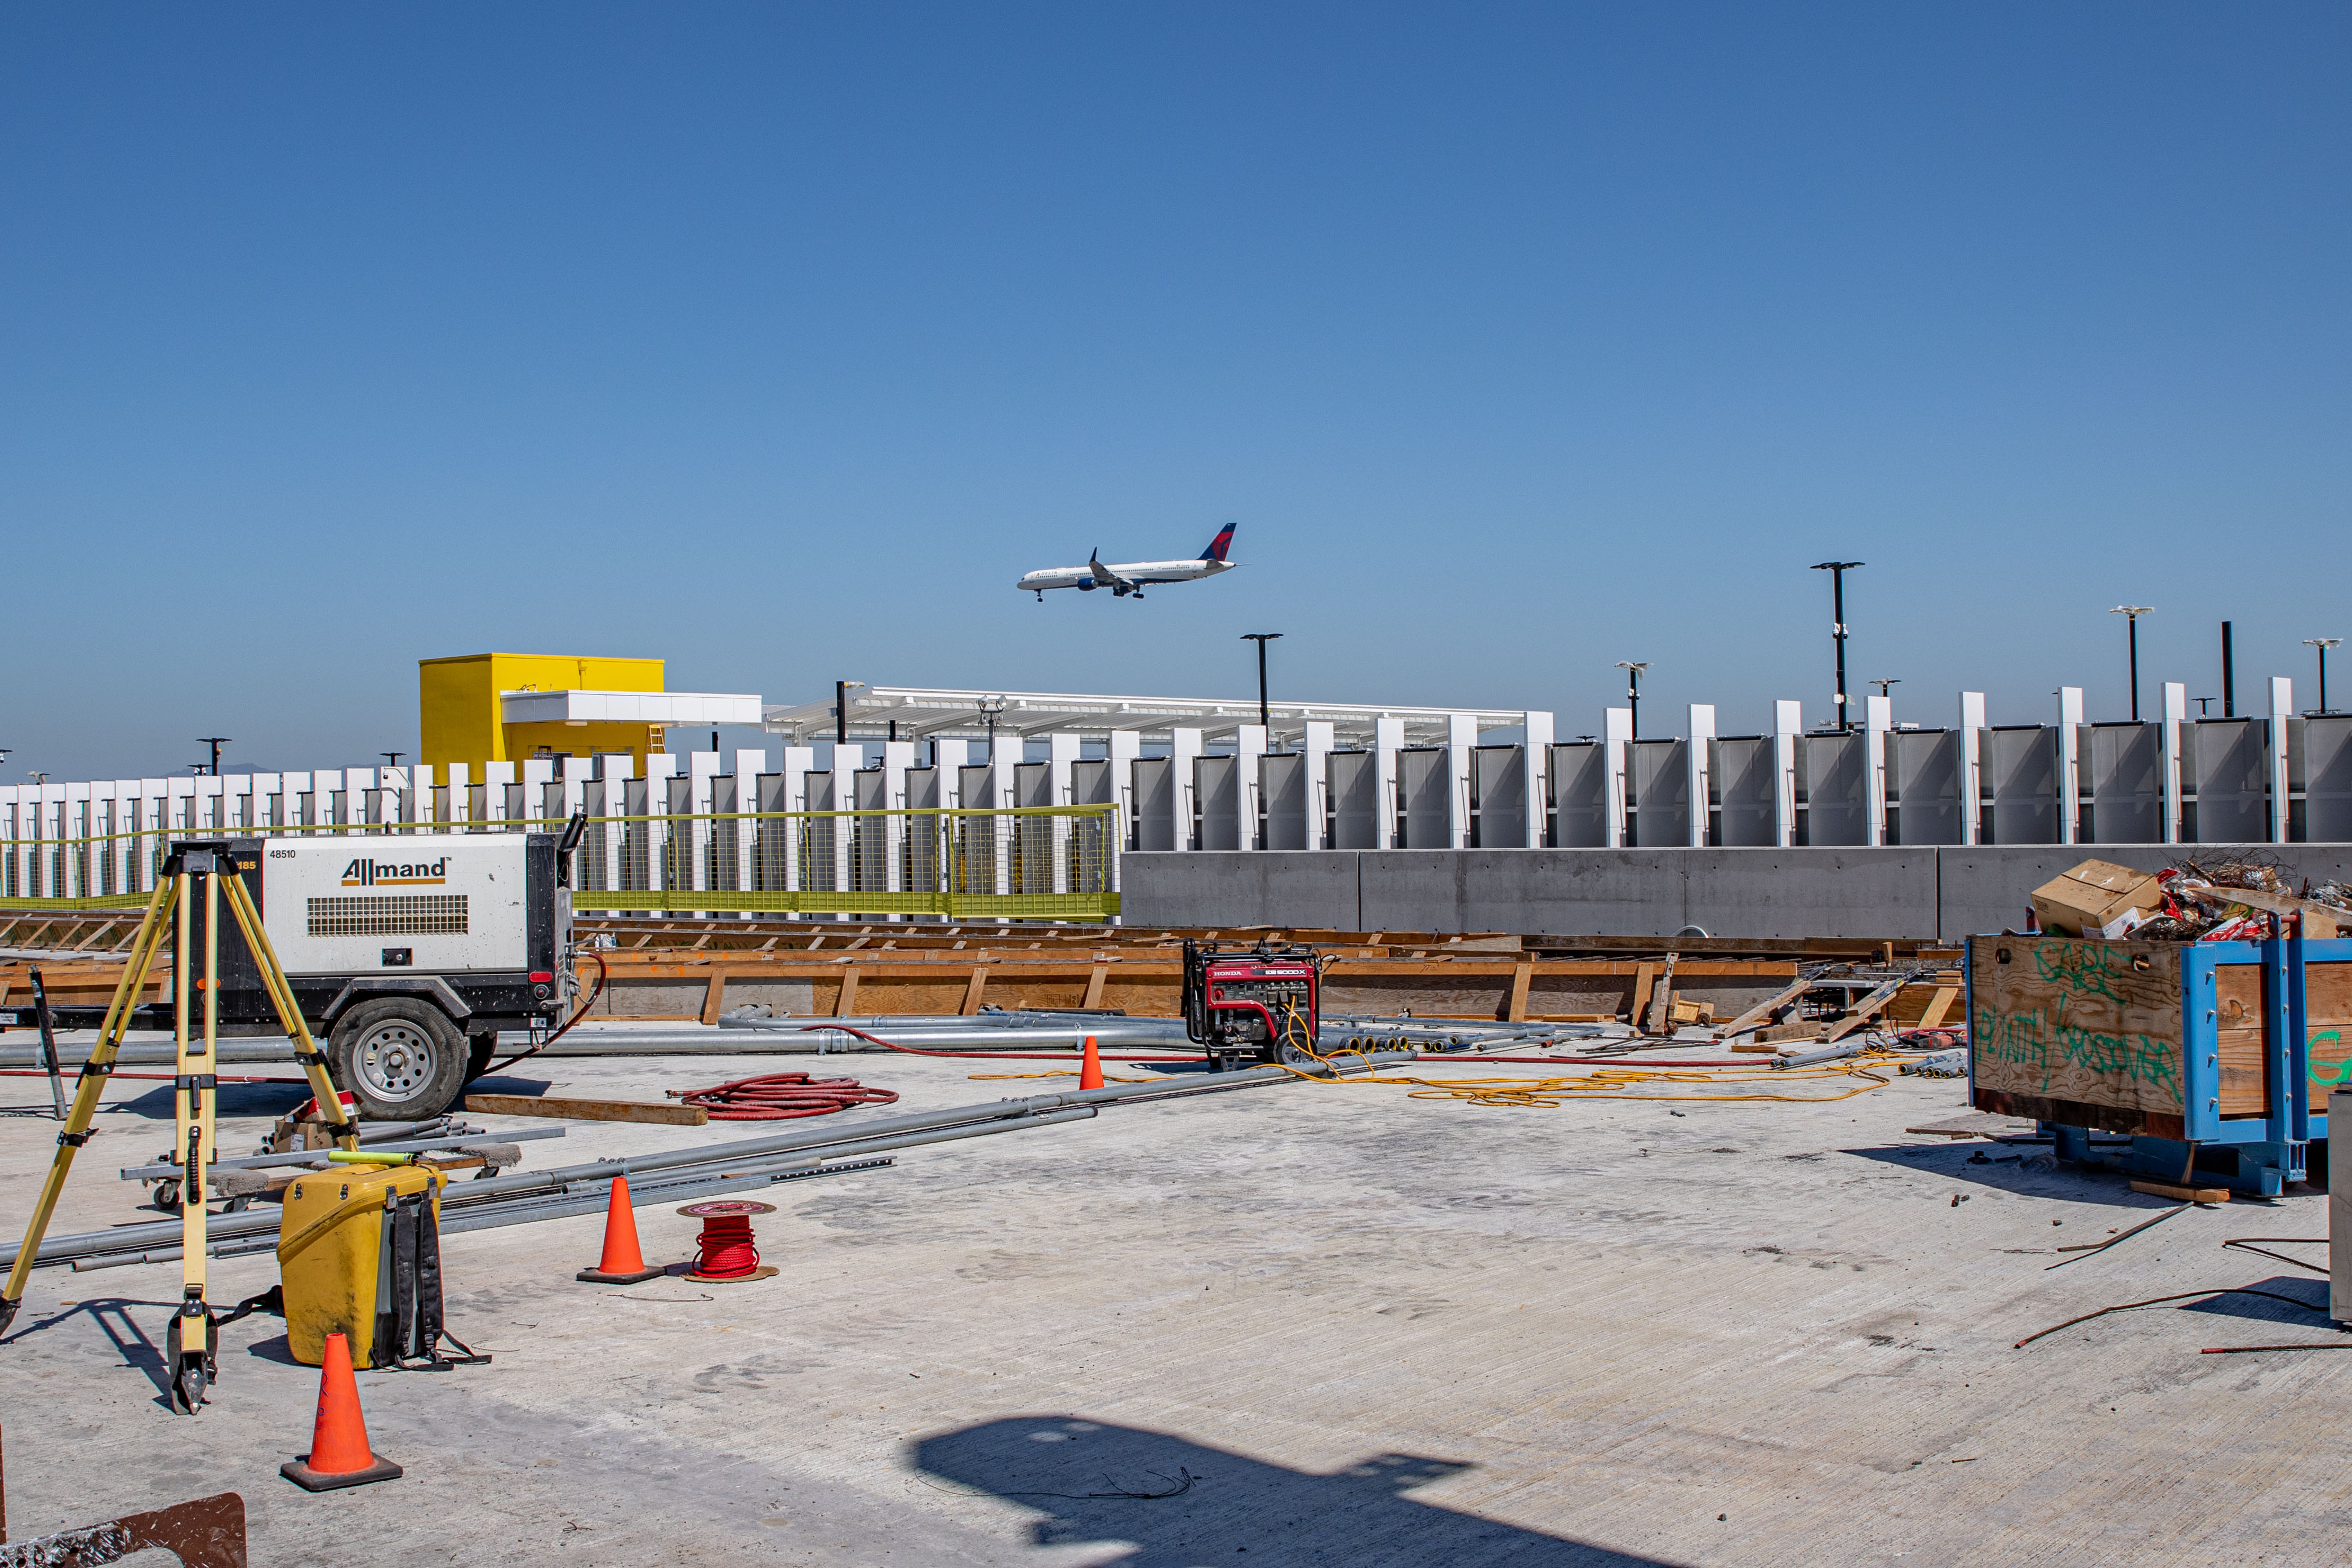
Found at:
[1020, 863]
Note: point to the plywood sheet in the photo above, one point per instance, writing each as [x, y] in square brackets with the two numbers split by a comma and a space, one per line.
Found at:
[2328, 1020]
[2094, 1023]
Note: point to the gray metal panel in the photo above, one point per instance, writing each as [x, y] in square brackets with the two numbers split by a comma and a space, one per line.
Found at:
[1580, 795]
[2232, 780]
[2122, 771]
[1742, 775]
[1498, 786]
[2327, 780]
[2020, 765]
[976, 785]
[1033, 784]
[1155, 802]
[1352, 800]
[1837, 800]
[1214, 800]
[1659, 789]
[869, 851]
[1282, 800]
[923, 787]
[1422, 784]
[1923, 773]
[816, 839]
[1090, 783]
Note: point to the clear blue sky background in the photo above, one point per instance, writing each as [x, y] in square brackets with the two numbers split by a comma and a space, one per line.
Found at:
[777, 342]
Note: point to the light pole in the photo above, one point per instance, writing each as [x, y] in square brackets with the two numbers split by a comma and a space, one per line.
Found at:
[2323, 645]
[990, 706]
[1837, 571]
[1261, 638]
[215, 743]
[1633, 691]
[1887, 686]
[2131, 614]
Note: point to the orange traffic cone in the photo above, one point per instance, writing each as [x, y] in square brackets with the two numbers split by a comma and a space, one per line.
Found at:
[1090, 1070]
[621, 1264]
[340, 1455]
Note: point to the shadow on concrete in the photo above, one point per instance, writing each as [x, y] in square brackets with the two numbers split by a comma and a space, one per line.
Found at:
[2015, 1169]
[233, 1100]
[112, 1316]
[501, 1083]
[1183, 1504]
[2310, 1290]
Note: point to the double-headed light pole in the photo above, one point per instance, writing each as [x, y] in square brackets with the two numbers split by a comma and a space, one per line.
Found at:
[1634, 693]
[1837, 571]
[2132, 613]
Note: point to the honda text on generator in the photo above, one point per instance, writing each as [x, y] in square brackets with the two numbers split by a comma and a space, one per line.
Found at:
[1258, 1004]
[408, 953]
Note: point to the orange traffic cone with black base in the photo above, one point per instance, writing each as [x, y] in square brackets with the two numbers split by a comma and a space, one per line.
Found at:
[621, 1264]
[340, 1455]
[1090, 1070]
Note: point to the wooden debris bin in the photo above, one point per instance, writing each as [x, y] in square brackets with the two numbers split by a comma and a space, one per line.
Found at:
[2210, 1043]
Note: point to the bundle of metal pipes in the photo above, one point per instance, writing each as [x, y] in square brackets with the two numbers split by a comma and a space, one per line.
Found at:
[1008, 1031]
[682, 1174]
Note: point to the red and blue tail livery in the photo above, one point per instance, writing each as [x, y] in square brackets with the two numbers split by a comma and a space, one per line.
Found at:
[1128, 579]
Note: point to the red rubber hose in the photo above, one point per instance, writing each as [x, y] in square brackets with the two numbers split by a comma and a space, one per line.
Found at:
[780, 1096]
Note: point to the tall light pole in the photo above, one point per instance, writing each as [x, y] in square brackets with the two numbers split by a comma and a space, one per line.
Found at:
[1837, 571]
[2323, 645]
[1633, 691]
[215, 743]
[2132, 613]
[1261, 638]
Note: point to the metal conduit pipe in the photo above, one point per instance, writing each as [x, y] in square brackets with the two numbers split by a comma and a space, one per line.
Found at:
[840, 1141]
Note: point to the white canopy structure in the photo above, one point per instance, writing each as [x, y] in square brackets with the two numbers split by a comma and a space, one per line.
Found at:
[925, 712]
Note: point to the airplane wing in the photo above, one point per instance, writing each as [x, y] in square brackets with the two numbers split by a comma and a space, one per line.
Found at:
[1108, 578]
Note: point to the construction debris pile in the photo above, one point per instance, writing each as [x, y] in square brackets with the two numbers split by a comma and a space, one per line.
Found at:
[2190, 900]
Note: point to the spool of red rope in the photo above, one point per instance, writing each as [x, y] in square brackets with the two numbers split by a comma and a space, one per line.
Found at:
[780, 1096]
[726, 1251]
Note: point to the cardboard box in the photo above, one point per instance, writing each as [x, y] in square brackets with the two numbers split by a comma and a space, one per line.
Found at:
[2097, 899]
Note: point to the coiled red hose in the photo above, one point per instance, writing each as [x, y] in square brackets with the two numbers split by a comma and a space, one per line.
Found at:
[780, 1096]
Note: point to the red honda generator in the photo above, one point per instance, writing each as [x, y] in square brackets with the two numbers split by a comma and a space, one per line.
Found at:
[1258, 1005]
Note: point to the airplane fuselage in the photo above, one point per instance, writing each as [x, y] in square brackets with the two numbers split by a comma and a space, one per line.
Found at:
[1143, 573]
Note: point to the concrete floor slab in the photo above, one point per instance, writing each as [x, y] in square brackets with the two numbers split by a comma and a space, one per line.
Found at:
[1308, 1324]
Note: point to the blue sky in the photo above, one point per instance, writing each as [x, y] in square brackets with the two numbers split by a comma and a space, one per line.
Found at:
[778, 341]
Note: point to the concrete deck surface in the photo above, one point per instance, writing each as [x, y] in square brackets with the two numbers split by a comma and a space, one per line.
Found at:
[1371, 1330]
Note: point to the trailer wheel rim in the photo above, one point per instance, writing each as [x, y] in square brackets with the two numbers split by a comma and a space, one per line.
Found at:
[395, 1060]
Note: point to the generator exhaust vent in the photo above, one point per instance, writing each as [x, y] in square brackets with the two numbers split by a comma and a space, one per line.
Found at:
[390, 914]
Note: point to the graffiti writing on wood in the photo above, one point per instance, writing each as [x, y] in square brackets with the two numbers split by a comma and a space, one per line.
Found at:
[2034, 1041]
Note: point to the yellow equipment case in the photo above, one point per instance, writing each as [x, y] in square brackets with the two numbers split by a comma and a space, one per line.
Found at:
[359, 1254]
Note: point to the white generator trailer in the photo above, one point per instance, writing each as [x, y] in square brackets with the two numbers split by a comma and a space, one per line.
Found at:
[408, 953]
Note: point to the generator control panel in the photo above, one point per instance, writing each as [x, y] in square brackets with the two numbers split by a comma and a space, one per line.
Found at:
[1259, 1004]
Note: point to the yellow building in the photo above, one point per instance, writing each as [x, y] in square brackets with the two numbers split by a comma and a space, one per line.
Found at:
[462, 718]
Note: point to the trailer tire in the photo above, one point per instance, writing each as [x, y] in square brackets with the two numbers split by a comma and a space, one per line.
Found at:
[401, 1058]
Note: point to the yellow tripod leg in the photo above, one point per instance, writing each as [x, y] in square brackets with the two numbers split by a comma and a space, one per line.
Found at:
[144, 944]
[289, 1013]
[193, 1090]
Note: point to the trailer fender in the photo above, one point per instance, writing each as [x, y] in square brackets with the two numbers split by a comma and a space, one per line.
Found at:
[430, 987]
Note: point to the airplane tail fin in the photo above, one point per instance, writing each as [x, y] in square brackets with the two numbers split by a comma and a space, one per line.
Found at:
[1219, 545]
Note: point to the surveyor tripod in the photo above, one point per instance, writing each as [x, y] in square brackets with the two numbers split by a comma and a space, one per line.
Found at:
[212, 864]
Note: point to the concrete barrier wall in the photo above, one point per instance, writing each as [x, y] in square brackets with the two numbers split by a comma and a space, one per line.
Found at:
[1858, 892]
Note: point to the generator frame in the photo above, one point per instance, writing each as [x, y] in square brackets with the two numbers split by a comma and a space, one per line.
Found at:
[214, 864]
[1231, 1029]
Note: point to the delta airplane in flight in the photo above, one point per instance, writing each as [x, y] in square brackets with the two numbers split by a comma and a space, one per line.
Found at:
[1131, 576]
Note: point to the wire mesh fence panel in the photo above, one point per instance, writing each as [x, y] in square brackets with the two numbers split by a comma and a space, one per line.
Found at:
[1023, 863]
